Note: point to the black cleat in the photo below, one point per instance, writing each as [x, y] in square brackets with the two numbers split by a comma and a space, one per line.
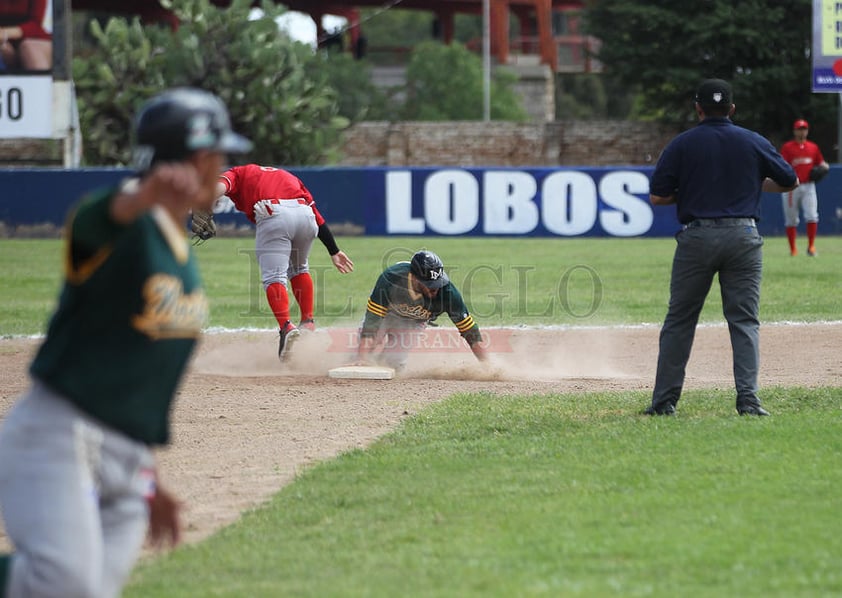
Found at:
[752, 410]
[287, 336]
[668, 409]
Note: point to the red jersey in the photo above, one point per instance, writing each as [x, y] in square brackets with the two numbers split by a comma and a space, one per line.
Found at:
[34, 17]
[802, 157]
[251, 184]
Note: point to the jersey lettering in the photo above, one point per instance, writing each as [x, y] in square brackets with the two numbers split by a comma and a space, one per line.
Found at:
[168, 312]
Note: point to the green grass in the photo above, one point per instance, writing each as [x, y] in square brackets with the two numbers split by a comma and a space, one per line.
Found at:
[561, 495]
[505, 281]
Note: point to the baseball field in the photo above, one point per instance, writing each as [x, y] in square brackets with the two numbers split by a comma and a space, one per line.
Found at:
[532, 475]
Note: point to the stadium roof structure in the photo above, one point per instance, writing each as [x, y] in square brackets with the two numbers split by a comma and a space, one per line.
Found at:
[535, 16]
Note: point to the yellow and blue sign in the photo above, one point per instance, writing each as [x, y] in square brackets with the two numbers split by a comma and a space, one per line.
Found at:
[827, 46]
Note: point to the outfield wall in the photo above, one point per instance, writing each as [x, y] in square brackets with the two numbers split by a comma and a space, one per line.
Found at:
[541, 202]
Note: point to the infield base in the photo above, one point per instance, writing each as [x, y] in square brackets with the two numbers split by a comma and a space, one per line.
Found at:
[362, 372]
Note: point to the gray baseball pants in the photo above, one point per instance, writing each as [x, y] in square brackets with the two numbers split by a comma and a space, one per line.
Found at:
[283, 241]
[73, 499]
[731, 248]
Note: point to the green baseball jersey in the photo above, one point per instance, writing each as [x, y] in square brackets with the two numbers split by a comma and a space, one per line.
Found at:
[129, 314]
[393, 294]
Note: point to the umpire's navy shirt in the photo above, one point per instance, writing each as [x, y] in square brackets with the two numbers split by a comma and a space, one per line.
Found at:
[716, 170]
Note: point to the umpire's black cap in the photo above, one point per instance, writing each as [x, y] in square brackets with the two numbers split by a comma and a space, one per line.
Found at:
[180, 121]
[428, 268]
[714, 92]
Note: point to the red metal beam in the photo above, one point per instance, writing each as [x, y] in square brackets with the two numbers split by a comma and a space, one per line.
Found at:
[151, 10]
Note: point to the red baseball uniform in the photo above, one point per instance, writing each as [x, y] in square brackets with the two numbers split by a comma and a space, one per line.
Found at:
[287, 222]
[802, 156]
[254, 188]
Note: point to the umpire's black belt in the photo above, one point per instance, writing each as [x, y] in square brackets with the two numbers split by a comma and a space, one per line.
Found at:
[721, 222]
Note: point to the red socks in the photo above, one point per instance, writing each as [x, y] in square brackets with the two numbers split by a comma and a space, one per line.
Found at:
[302, 288]
[791, 231]
[276, 294]
[812, 227]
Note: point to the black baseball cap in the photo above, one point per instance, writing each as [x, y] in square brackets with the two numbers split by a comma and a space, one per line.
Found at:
[429, 269]
[714, 92]
[180, 121]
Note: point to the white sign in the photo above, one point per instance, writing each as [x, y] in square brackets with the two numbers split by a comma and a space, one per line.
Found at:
[26, 107]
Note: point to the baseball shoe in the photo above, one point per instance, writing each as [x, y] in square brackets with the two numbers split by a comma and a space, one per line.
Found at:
[307, 325]
[793, 252]
[287, 335]
[668, 409]
[811, 251]
[752, 410]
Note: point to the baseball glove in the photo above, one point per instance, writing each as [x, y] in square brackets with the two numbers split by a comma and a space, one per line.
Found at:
[818, 172]
[202, 225]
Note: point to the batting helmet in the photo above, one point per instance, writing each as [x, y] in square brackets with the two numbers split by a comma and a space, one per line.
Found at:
[429, 269]
[176, 123]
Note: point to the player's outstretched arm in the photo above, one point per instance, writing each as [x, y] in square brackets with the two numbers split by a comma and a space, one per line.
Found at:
[342, 262]
[171, 185]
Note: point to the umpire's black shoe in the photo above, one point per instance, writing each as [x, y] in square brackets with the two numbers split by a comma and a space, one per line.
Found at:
[287, 335]
[752, 410]
[668, 409]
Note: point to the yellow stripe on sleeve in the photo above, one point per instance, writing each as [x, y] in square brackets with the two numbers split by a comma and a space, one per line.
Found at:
[376, 309]
[465, 324]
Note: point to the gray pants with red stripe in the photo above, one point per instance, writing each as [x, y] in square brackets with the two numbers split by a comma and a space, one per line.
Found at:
[731, 248]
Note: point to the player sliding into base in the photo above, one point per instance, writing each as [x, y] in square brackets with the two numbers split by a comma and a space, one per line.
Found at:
[406, 298]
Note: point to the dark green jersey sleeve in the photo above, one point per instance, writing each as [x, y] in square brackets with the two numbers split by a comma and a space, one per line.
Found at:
[377, 306]
[91, 233]
[456, 309]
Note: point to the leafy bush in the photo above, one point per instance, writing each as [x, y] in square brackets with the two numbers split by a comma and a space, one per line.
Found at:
[254, 67]
[445, 83]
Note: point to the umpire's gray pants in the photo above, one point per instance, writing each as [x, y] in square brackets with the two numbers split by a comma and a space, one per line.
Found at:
[732, 249]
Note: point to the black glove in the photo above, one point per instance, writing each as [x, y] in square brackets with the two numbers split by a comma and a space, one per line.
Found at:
[818, 172]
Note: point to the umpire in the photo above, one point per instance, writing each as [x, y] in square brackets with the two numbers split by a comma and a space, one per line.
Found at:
[714, 173]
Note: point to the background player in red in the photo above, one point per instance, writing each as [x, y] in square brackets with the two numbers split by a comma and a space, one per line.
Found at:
[802, 155]
[287, 223]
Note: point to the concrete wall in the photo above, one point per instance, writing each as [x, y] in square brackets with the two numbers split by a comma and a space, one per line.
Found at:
[474, 143]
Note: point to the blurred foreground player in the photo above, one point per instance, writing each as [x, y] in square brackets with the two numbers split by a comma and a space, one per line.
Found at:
[78, 486]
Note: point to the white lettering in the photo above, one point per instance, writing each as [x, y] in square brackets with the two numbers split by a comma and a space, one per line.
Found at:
[508, 202]
[568, 203]
[399, 204]
[451, 202]
[631, 215]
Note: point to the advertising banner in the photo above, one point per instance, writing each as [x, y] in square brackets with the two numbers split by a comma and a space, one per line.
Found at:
[379, 201]
[827, 46]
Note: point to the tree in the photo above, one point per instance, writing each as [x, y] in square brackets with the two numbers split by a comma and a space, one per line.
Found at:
[253, 66]
[445, 83]
[358, 98]
[662, 49]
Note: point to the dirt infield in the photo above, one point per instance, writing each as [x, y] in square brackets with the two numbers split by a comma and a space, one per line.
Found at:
[244, 426]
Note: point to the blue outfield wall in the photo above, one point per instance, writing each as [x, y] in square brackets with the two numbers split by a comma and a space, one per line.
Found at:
[541, 202]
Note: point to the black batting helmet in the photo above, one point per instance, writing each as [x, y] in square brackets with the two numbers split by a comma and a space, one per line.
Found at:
[429, 269]
[176, 123]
